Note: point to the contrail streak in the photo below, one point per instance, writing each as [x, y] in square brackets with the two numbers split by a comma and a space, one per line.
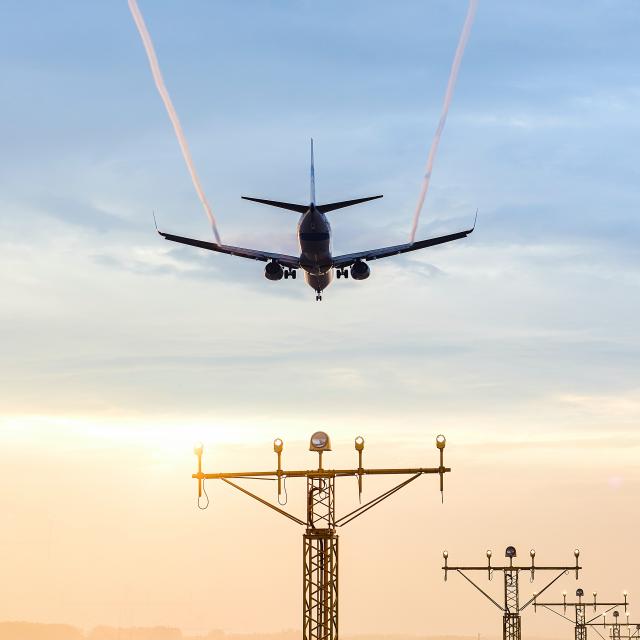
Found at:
[173, 116]
[453, 76]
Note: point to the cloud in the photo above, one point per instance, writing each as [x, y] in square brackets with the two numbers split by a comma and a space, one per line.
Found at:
[622, 406]
[80, 213]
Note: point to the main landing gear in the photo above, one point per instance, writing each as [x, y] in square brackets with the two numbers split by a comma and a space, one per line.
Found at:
[290, 273]
[342, 273]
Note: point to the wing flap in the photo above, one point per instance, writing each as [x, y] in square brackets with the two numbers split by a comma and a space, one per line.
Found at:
[384, 252]
[252, 254]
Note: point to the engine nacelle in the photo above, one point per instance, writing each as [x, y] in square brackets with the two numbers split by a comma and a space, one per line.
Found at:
[360, 270]
[273, 271]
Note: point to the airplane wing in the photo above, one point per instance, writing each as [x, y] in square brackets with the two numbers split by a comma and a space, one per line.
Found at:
[286, 261]
[375, 254]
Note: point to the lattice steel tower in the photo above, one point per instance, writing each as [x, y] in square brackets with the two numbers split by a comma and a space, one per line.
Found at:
[581, 622]
[511, 609]
[630, 632]
[320, 541]
[320, 561]
[619, 630]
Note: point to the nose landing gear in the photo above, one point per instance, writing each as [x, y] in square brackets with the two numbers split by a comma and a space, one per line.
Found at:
[318, 295]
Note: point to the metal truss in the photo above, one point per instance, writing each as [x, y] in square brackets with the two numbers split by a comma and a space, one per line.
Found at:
[320, 562]
[580, 626]
[511, 621]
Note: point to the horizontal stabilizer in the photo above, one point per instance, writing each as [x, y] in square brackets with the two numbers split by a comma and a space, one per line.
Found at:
[300, 208]
[325, 208]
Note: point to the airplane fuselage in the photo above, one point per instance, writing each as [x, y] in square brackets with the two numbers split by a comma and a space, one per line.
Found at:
[314, 238]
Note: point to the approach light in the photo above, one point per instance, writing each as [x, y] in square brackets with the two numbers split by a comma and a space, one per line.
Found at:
[320, 442]
[625, 593]
[616, 614]
[445, 554]
[278, 445]
[532, 553]
[595, 593]
[359, 443]
[198, 449]
[579, 593]
[441, 442]
[489, 553]
[576, 552]
[510, 552]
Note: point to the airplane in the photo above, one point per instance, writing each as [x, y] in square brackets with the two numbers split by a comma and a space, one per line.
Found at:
[314, 238]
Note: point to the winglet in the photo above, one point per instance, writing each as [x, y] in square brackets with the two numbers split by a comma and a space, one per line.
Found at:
[155, 222]
[474, 221]
[312, 187]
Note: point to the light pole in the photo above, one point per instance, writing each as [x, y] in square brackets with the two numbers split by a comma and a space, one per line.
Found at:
[631, 632]
[618, 630]
[320, 541]
[511, 610]
[581, 623]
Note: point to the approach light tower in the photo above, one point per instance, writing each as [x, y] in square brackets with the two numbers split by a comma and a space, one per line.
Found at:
[631, 629]
[320, 541]
[511, 627]
[580, 622]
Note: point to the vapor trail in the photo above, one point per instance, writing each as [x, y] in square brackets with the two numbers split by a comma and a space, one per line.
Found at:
[173, 116]
[453, 76]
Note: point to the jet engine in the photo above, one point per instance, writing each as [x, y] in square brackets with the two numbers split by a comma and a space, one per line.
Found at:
[360, 270]
[273, 271]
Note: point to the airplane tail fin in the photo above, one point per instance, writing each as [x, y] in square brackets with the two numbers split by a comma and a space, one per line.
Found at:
[312, 185]
[324, 208]
[301, 208]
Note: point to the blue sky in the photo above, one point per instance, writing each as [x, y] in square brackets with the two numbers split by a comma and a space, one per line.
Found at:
[542, 138]
[524, 335]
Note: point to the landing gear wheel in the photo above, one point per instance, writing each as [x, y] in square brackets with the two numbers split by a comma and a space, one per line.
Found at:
[294, 274]
[286, 275]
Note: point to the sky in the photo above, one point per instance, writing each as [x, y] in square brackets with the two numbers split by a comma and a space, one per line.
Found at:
[119, 351]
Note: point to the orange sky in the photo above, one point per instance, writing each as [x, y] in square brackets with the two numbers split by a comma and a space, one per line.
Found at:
[101, 529]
